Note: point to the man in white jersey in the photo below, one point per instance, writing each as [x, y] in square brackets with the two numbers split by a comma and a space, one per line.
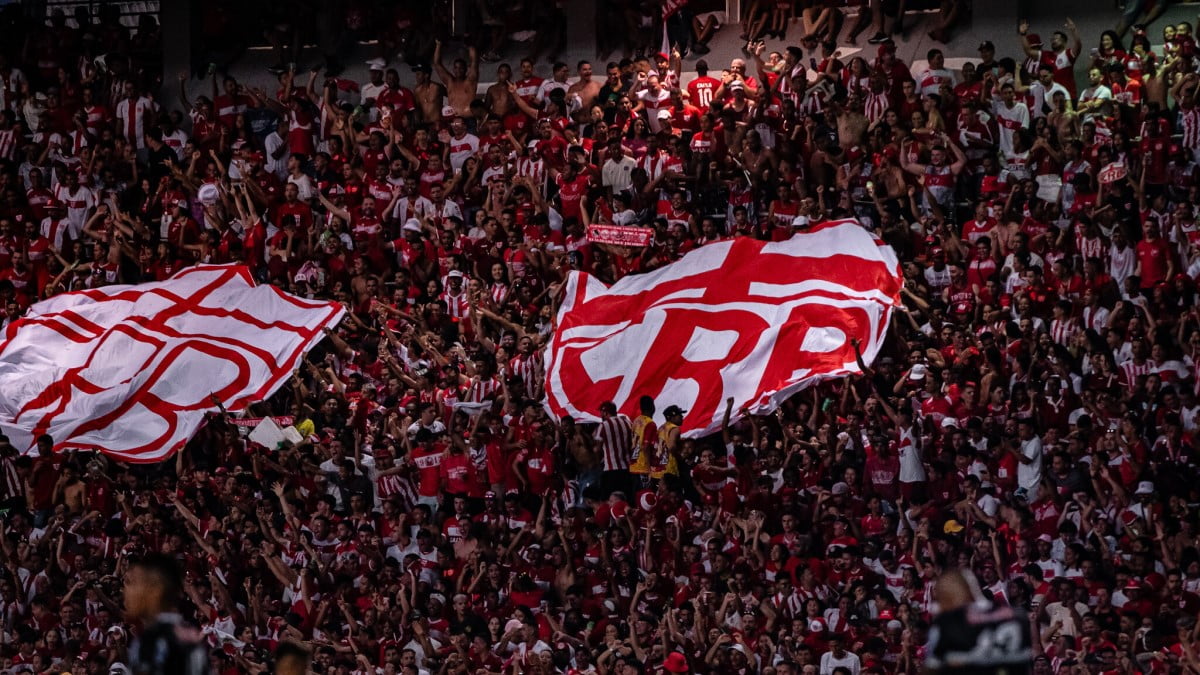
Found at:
[1010, 113]
[934, 75]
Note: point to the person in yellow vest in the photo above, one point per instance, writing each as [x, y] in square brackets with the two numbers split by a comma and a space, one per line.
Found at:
[645, 440]
[666, 458]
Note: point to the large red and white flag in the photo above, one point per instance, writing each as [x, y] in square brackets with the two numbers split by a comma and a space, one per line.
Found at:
[752, 320]
[131, 370]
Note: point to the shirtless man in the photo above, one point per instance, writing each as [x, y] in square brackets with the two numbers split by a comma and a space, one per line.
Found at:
[852, 124]
[586, 88]
[460, 84]
[429, 94]
[498, 98]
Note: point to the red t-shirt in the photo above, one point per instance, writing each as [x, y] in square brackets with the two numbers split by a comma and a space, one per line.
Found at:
[1152, 257]
[428, 461]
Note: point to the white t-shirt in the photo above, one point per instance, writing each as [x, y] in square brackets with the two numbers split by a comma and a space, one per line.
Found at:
[1009, 120]
[304, 186]
[1044, 96]
[848, 660]
[912, 469]
[1030, 475]
[461, 149]
[929, 81]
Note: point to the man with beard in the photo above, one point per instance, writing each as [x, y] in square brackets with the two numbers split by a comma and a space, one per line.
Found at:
[939, 177]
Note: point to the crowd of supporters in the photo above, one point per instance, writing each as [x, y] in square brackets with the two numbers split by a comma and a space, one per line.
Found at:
[1032, 416]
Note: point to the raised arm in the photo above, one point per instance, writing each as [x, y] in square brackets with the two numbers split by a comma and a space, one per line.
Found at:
[442, 73]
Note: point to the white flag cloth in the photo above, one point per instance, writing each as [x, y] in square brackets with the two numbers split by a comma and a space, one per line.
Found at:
[130, 370]
[744, 319]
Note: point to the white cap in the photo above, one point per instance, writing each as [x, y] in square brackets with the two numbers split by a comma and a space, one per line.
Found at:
[454, 274]
[949, 423]
[412, 225]
[918, 372]
[840, 488]
[208, 194]
[800, 221]
[1145, 488]
[664, 114]
[449, 111]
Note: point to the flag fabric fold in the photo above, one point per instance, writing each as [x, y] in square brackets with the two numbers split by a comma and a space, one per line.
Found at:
[131, 370]
[744, 319]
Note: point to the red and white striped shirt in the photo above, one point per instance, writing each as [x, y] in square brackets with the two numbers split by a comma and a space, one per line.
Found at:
[875, 106]
[12, 484]
[1090, 247]
[457, 306]
[1095, 319]
[1133, 371]
[812, 103]
[791, 606]
[483, 390]
[1190, 118]
[8, 143]
[499, 293]
[524, 366]
[614, 437]
[1061, 330]
[528, 168]
[396, 485]
[131, 119]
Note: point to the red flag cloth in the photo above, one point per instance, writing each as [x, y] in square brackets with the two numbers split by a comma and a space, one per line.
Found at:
[742, 318]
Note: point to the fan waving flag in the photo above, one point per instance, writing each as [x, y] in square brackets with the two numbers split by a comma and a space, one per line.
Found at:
[752, 320]
[131, 370]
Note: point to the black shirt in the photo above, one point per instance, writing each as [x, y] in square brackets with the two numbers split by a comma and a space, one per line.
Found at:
[169, 647]
[980, 641]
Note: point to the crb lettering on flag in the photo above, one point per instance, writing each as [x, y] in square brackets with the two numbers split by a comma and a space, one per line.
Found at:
[131, 370]
[756, 321]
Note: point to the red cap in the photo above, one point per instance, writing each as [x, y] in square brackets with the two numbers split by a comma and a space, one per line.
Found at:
[1034, 39]
[675, 663]
[662, 56]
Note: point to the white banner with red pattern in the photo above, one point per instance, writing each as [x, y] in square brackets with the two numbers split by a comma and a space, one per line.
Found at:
[131, 370]
[752, 320]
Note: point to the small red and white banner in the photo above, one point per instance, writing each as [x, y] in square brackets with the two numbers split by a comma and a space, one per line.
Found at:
[744, 319]
[1112, 173]
[620, 235]
[252, 422]
[131, 371]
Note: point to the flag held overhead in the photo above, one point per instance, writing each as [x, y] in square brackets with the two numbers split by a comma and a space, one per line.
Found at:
[752, 320]
[132, 370]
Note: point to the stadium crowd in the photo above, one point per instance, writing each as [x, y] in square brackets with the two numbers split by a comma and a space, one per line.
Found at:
[1032, 417]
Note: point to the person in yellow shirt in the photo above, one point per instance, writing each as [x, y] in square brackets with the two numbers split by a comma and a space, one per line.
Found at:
[645, 440]
[666, 459]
